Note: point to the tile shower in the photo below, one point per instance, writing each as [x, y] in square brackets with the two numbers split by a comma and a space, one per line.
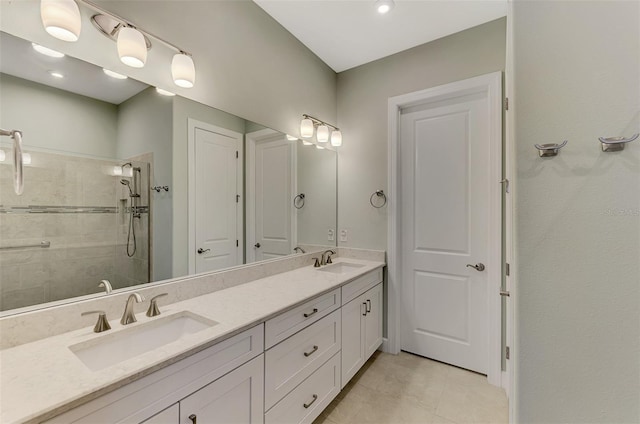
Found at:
[80, 207]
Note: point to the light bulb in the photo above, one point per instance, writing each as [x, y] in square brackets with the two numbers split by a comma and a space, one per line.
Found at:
[114, 74]
[132, 47]
[61, 19]
[383, 6]
[306, 128]
[336, 138]
[46, 51]
[322, 134]
[183, 70]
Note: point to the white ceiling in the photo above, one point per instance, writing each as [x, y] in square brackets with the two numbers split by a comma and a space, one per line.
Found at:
[349, 33]
[18, 58]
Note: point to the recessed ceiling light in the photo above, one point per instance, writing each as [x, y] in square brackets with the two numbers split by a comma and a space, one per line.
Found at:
[46, 51]
[383, 6]
[114, 74]
[164, 92]
[56, 74]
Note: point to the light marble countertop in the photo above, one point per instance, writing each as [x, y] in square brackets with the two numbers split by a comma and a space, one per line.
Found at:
[44, 378]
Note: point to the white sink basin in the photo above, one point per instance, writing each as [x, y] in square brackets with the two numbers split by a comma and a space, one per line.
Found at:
[340, 267]
[125, 344]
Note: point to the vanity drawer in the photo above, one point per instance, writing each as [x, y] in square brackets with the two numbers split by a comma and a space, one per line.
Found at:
[305, 403]
[290, 362]
[290, 322]
[360, 285]
[146, 397]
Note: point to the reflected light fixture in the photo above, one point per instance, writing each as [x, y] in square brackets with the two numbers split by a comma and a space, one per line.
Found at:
[183, 70]
[56, 74]
[3, 156]
[306, 128]
[165, 92]
[26, 158]
[46, 51]
[306, 143]
[114, 74]
[383, 6]
[132, 47]
[336, 138]
[291, 138]
[322, 134]
[61, 19]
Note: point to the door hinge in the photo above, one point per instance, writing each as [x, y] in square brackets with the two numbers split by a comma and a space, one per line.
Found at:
[507, 352]
[506, 103]
[236, 154]
[237, 198]
[507, 269]
[237, 244]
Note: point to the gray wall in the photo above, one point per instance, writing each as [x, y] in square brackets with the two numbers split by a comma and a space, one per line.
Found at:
[577, 68]
[183, 109]
[145, 126]
[362, 115]
[57, 120]
[246, 63]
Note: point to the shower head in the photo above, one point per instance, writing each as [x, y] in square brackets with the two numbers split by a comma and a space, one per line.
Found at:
[128, 184]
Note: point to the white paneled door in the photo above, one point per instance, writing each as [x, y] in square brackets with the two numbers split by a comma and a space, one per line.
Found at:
[216, 198]
[445, 156]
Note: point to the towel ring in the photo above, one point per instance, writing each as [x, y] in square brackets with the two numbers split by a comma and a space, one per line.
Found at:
[378, 193]
[298, 200]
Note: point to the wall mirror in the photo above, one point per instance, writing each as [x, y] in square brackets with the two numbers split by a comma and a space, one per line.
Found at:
[125, 184]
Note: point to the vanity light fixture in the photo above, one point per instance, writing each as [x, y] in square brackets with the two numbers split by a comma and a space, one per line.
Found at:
[165, 92]
[383, 6]
[132, 47]
[61, 19]
[56, 74]
[324, 131]
[114, 74]
[46, 51]
[183, 70]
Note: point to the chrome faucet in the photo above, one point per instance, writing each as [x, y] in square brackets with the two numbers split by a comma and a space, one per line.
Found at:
[328, 259]
[106, 285]
[129, 316]
[300, 249]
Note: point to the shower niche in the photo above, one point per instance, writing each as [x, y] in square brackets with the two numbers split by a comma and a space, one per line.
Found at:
[91, 218]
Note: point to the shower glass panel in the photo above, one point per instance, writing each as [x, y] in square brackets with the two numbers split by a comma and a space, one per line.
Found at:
[69, 228]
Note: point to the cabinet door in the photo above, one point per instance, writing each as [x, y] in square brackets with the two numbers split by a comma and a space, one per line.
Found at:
[353, 321]
[373, 321]
[171, 415]
[238, 397]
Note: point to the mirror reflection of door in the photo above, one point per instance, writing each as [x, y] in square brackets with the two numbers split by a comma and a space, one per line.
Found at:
[271, 184]
[217, 188]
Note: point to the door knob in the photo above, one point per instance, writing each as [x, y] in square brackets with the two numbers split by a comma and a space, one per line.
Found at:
[257, 245]
[201, 251]
[478, 267]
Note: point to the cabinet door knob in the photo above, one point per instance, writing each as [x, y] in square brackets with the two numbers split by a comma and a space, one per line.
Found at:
[307, 405]
[193, 418]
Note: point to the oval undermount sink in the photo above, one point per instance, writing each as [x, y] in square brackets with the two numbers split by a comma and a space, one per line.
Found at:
[120, 346]
[341, 267]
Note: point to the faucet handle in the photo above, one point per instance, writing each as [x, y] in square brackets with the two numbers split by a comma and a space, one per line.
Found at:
[317, 264]
[153, 305]
[102, 324]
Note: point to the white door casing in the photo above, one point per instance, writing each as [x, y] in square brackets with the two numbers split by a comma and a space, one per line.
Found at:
[445, 305]
[271, 182]
[215, 204]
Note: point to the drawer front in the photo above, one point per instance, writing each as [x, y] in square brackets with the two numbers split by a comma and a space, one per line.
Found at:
[143, 398]
[305, 403]
[290, 322]
[288, 363]
[360, 285]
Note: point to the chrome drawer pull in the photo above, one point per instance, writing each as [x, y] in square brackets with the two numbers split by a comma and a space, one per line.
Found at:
[307, 405]
[315, 310]
[368, 305]
[365, 309]
[311, 352]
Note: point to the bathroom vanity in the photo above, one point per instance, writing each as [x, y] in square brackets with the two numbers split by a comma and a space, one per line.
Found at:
[274, 350]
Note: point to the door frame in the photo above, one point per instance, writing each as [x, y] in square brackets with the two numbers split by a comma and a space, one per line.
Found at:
[492, 84]
[252, 139]
[192, 125]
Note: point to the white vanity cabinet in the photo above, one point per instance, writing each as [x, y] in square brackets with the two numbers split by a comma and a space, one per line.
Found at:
[361, 330]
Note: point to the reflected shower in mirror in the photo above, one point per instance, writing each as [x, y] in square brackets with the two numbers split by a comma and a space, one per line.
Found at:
[99, 147]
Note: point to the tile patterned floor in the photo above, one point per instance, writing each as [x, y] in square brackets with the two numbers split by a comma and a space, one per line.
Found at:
[409, 389]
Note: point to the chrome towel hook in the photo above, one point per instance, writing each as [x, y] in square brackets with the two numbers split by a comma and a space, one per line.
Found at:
[298, 201]
[378, 193]
[550, 149]
[615, 144]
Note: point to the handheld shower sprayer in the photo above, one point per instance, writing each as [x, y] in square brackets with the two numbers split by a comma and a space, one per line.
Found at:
[128, 184]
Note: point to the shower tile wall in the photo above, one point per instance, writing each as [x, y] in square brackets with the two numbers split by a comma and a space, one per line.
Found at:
[85, 247]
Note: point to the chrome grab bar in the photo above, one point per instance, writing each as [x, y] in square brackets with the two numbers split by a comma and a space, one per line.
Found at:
[43, 244]
[18, 176]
